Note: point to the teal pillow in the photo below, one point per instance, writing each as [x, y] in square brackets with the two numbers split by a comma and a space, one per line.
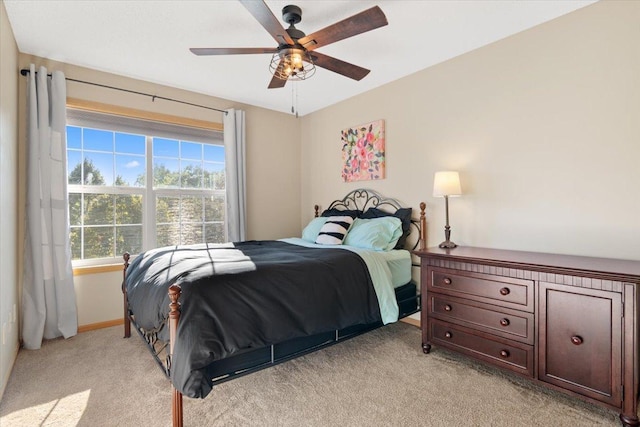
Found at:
[378, 234]
[311, 231]
[403, 213]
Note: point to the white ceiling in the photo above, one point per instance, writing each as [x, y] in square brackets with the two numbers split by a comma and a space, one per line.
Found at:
[150, 40]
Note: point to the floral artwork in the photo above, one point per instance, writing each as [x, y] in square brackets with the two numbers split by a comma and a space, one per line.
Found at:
[363, 152]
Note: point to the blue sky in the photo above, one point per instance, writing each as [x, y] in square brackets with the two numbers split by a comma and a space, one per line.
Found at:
[123, 154]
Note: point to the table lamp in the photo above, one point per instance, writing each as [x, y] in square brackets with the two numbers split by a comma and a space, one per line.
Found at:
[445, 184]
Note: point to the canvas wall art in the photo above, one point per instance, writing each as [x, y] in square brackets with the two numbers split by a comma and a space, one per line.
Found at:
[363, 152]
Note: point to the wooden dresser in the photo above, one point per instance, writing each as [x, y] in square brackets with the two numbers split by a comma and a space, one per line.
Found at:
[567, 322]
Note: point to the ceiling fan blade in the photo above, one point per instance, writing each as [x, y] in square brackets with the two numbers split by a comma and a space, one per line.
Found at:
[338, 66]
[202, 51]
[267, 19]
[362, 22]
[275, 81]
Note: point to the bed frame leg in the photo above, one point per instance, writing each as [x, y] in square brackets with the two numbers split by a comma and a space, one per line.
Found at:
[127, 320]
[176, 408]
[174, 318]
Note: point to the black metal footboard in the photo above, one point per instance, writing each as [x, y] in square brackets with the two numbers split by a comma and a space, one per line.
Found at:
[253, 360]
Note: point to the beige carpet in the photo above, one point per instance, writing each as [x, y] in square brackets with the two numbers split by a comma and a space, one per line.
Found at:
[379, 379]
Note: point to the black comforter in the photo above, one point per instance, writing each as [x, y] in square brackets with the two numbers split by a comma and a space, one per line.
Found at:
[248, 295]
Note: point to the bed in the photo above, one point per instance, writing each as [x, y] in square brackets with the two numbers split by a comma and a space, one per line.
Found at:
[265, 302]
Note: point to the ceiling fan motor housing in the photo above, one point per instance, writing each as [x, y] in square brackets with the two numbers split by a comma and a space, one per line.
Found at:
[292, 15]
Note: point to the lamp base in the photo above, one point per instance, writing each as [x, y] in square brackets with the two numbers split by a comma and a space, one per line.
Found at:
[447, 244]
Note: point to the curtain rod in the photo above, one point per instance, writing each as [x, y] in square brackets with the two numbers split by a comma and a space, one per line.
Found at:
[25, 71]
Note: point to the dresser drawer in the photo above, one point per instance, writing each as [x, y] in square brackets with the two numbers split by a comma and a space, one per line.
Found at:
[511, 324]
[499, 290]
[507, 354]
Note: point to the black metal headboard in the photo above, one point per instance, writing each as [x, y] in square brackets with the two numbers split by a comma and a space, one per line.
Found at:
[363, 199]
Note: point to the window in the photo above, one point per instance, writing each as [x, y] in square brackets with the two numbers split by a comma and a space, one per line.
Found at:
[135, 184]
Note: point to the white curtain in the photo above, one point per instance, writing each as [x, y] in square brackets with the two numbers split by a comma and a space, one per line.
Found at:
[234, 141]
[48, 296]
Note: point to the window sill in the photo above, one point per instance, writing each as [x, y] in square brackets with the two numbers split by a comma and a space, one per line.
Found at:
[95, 269]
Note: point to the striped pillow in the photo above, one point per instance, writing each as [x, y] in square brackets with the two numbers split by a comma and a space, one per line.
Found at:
[334, 230]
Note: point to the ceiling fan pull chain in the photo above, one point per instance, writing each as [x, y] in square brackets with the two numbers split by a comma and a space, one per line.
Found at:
[294, 99]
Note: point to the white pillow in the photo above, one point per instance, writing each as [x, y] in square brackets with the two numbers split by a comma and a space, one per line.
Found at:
[334, 230]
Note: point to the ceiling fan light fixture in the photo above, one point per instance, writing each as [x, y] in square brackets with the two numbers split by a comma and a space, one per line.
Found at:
[292, 64]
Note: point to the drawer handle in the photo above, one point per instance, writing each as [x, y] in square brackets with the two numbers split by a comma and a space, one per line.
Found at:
[504, 353]
[448, 334]
[447, 307]
[505, 291]
[577, 340]
[504, 322]
[447, 281]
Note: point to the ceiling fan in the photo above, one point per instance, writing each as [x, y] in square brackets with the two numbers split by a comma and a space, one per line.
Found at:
[295, 57]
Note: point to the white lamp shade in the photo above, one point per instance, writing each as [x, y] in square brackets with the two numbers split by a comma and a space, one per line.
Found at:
[446, 183]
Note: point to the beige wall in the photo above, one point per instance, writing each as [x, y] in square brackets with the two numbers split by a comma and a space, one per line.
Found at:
[543, 127]
[272, 162]
[8, 188]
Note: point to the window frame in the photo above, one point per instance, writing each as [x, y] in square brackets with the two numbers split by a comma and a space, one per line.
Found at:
[148, 192]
